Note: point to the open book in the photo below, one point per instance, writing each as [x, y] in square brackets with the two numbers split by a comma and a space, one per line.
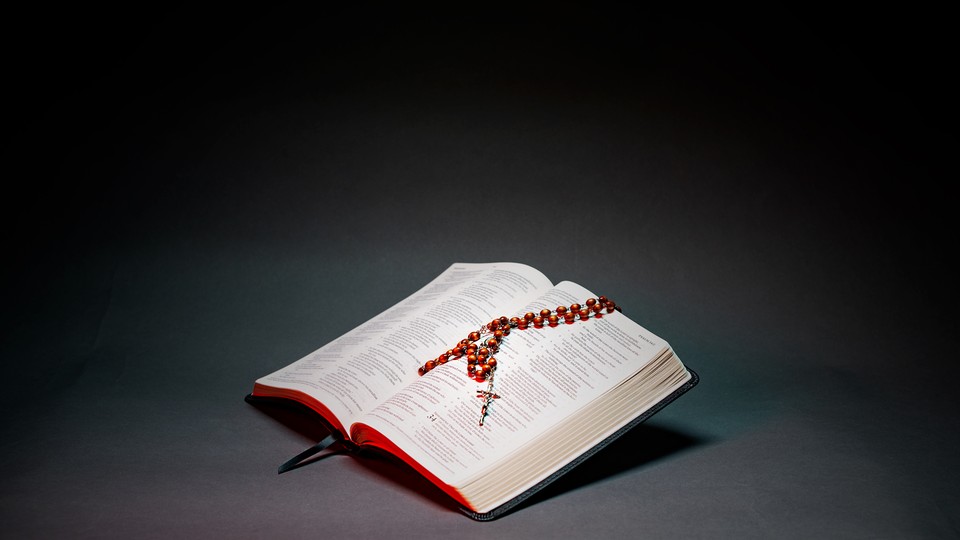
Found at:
[563, 391]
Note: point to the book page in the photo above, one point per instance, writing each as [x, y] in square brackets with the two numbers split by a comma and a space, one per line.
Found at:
[365, 366]
[543, 376]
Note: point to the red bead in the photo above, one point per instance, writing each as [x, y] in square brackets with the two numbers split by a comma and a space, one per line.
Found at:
[494, 324]
[442, 359]
[472, 349]
[602, 300]
[561, 310]
[485, 368]
[480, 377]
[505, 330]
[498, 334]
[458, 350]
[584, 314]
[504, 321]
[528, 316]
[420, 371]
[522, 325]
[492, 362]
[493, 343]
[472, 359]
[569, 317]
[429, 365]
[574, 307]
[544, 313]
[483, 351]
[596, 308]
[514, 321]
[591, 302]
[552, 320]
[610, 306]
[538, 321]
[474, 336]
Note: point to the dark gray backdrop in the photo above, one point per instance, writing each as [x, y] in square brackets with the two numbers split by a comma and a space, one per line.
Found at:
[206, 196]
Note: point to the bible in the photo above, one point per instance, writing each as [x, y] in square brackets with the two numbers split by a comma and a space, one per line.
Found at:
[560, 388]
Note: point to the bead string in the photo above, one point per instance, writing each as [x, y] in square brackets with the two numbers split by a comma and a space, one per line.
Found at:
[478, 349]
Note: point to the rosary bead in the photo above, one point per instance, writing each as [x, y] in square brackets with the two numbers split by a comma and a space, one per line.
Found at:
[483, 351]
[522, 325]
[504, 321]
[505, 330]
[544, 313]
[494, 324]
[492, 362]
[420, 371]
[474, 336]
[528, 316]
[602, 300]
[514, 321]
[574, 307]
[610, 306]
[538, 322]
[472, 359]
[591, 302]
[569, 317]
[561, 310]
[596, 308]
[552, 320]
[584, 314]
[498, 334]
[429, 365]
[493, 343]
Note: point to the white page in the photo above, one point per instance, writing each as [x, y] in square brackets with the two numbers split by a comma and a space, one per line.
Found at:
[365, 366]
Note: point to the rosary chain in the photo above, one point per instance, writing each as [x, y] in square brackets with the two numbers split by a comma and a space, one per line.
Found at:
[482, 365]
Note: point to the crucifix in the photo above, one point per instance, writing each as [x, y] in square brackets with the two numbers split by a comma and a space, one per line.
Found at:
[487, 396]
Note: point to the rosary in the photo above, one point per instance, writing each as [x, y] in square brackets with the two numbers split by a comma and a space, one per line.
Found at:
[481, 364]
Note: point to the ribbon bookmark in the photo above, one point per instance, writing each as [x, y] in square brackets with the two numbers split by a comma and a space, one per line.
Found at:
[297, 460]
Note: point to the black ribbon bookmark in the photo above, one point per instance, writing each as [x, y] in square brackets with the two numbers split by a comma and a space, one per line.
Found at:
[297, 460]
